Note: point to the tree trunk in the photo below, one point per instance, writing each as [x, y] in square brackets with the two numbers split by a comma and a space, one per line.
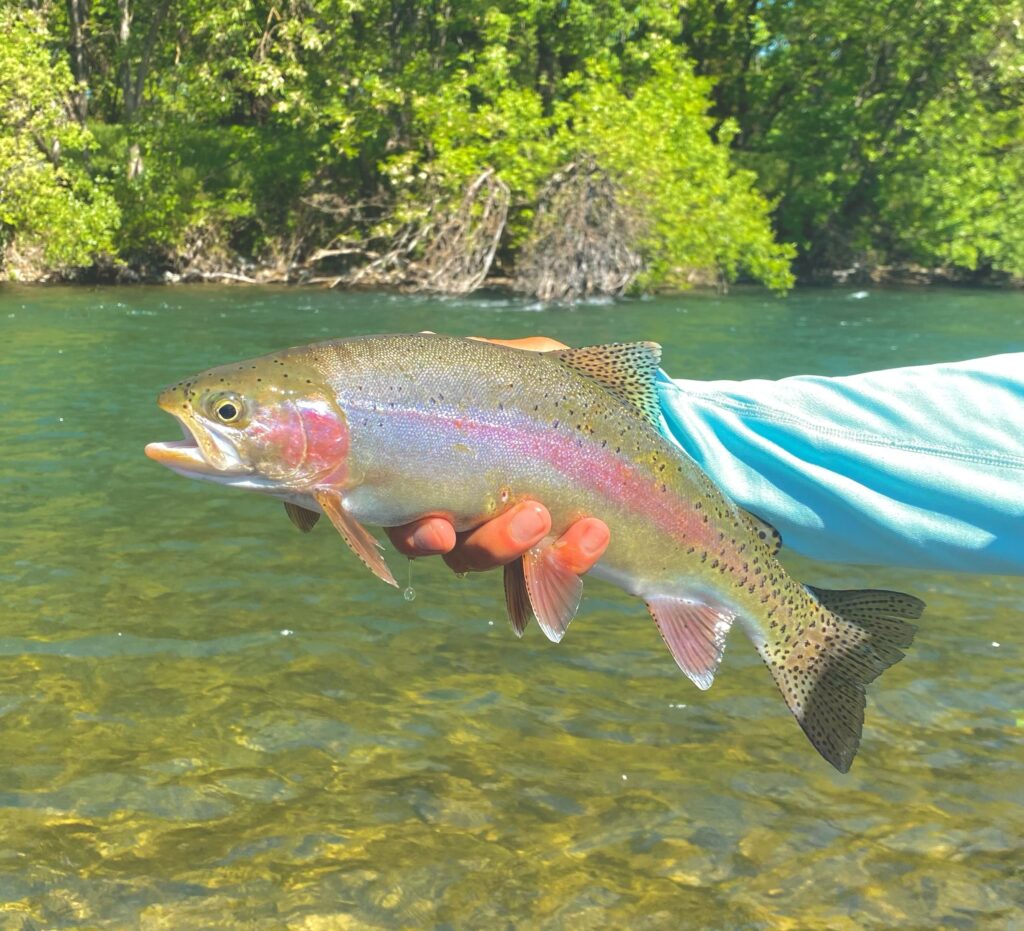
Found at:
[78, 11]
[124, 34]
[146, 59]
[133, 82]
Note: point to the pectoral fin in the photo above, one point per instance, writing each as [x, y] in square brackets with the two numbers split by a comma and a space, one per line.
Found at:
[303, 518]
[544, 585]
[695, 634]
[355, 535]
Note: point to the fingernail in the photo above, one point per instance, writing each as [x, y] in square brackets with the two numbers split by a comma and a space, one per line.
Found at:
[527, 525]
[427, 539]
[594, 540]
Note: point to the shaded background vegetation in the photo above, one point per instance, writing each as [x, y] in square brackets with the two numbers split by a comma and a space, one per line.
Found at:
[612, 145]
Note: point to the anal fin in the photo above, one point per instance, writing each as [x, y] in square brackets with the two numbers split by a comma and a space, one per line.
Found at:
[359, 539]
[542, 584]
[695, 634]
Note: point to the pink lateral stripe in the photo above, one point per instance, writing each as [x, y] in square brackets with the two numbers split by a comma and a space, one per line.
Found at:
[598, 469]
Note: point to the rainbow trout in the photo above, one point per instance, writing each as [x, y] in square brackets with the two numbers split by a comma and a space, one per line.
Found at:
[385, 429]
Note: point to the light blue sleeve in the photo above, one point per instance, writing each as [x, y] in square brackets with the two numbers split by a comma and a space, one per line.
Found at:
[920, 467]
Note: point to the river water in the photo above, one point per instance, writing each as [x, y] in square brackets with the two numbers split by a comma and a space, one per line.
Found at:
[209, 720]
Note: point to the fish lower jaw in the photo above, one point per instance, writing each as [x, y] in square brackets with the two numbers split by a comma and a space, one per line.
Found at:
[186, 458]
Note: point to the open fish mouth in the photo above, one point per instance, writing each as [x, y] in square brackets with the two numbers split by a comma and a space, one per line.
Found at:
[191, 457]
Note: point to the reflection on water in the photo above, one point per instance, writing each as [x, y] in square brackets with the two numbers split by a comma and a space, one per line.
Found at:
[210, 720]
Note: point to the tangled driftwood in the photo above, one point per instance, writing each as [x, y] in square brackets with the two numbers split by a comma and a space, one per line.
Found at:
[583, 238]
[447, 250]
[582, 243]
[461, 249]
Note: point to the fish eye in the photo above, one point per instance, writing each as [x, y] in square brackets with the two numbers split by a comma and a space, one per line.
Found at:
[228, 410]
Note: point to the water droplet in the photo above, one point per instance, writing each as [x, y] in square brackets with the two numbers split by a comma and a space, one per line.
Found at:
[286, 632]
[410, 593]
[461, 575]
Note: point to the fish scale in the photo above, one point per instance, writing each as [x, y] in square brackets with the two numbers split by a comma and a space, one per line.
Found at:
[388, 429]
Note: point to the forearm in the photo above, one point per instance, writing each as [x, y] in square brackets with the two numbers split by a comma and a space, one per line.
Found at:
[918, 467]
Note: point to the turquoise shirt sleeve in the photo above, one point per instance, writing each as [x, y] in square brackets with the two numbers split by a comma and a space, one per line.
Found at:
[919, 467]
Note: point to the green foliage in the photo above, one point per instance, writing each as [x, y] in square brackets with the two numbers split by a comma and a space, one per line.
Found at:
[952, 194]
[860, 131]
[889, 132]
[47, 199]
[697, 212]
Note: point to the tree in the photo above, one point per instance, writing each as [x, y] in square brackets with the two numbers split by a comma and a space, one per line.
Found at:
[334, 135]
[862, 117]
[48, 202]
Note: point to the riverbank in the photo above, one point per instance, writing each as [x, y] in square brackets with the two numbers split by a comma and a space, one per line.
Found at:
[28, 268]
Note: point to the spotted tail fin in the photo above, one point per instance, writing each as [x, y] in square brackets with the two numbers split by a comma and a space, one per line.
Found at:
[823, 661]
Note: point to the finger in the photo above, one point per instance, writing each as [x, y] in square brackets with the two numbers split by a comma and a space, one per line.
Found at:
[502, 539]
[532, 343]
[429, 536]
[583, 544]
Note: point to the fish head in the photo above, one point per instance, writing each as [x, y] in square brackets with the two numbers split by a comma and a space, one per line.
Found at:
[268, 425]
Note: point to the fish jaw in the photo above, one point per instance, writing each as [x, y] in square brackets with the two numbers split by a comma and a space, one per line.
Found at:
[201, 454]
[188, 458]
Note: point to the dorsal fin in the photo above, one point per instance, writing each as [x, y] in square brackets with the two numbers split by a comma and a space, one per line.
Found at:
[627, 370]
[764, 530]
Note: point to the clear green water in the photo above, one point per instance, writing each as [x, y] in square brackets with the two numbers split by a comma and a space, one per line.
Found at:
[208, 720]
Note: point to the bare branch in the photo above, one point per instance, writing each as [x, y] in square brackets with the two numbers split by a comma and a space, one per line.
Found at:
[583, 238]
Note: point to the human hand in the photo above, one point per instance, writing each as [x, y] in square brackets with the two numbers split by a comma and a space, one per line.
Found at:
[510, 535]
[502, 539]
